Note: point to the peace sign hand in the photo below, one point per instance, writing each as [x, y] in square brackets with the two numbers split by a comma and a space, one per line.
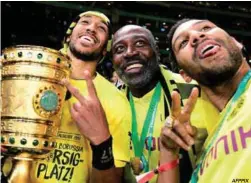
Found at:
[88, 112]
[179, 132]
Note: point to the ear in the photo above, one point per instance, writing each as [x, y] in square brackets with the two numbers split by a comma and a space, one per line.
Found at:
[238, 44]
[187, 78]
[157, 52]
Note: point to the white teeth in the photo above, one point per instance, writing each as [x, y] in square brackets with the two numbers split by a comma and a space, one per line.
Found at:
[88, 39]
[206, 47]
[134, 66]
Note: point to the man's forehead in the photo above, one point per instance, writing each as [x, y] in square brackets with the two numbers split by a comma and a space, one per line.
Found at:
[130, 32]
[92, 16]
[132, 28]
[186, 26]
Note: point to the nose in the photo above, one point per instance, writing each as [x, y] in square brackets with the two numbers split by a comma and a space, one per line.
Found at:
[196, 37]
[130, 52]
[91, 28]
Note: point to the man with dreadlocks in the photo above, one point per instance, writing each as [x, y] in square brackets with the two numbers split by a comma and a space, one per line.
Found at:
[93, 136]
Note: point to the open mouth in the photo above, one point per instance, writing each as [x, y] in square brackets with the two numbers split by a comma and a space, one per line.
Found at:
[208, 50]
[87, 39]
[133, 68]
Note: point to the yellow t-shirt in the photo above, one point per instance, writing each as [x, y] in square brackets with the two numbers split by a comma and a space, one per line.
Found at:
[229, 158]
[199, 117]
[71, 160]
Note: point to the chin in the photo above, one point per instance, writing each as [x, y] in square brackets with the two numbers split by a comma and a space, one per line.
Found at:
[139, 82]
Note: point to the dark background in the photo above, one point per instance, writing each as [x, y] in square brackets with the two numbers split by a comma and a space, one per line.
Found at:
[45, 23]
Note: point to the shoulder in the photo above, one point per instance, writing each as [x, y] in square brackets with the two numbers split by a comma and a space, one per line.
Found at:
[176, 77]
[175, 80]
[106, 89]
[112, 99]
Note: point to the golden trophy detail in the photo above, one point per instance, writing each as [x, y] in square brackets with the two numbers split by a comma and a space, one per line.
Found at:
[32, 99]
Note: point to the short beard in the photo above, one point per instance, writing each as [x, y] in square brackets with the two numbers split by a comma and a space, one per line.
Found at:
[148, 74]
[85, 56]
[217, 75]
[215, 78]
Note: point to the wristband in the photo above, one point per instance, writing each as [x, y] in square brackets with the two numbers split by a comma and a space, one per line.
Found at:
[162, 168]
[102, 156]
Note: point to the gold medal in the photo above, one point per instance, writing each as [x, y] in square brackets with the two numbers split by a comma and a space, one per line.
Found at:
[137, 165]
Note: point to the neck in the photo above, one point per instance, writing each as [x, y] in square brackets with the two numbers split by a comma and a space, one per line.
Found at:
[140, 92]
[79, 66]
[220, 95]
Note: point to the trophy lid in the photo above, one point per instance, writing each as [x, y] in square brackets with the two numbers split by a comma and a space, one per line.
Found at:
[38, 54]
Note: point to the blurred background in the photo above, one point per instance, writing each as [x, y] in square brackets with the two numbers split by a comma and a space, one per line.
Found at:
[45, 22]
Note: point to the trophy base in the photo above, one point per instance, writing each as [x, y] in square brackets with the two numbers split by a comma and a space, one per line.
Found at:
[20, 172]
[19, 169]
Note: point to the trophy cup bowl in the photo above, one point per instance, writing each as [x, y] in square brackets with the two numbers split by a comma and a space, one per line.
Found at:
[32, 98]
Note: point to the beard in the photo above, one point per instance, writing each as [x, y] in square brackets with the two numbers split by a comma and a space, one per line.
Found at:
[87, 56]
[218, 74]
[147, 74]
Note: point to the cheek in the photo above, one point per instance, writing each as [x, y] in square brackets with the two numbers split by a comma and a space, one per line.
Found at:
[76, 31]
[73, 37]
[147, 53]
[185, 54]
[102, 37]
[182, 60]
[116, 61]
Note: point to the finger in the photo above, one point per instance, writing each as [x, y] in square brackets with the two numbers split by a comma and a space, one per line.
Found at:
[74, 91]
[189, 106]
[90, 85]
[77, 107]
[176, 107]
[75, 114]
[192, 130]
[170, 134]
[182, 132]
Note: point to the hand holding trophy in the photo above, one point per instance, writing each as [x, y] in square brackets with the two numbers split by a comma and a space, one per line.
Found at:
[32, 99]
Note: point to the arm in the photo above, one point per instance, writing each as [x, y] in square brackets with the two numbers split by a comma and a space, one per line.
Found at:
[91, 121]
[176, 133]
[172, 175]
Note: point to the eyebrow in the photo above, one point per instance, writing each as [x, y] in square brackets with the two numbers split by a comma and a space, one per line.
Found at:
[90, 16]
[196, 23]
[133, 37]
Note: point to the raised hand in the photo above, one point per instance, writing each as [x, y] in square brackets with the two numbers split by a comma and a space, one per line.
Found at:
[89, 113]
[178, 131]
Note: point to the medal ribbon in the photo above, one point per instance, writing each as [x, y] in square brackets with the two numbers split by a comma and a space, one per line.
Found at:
[240, 90]
[138, 143]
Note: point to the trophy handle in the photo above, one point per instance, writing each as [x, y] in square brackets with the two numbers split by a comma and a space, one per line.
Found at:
[20, 171]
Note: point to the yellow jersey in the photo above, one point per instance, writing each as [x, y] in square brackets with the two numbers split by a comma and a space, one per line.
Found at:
[229, 155]
[71, 161]
[203, 118]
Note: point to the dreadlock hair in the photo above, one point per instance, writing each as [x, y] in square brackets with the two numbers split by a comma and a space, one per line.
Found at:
[74, 23]
[170, 37]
